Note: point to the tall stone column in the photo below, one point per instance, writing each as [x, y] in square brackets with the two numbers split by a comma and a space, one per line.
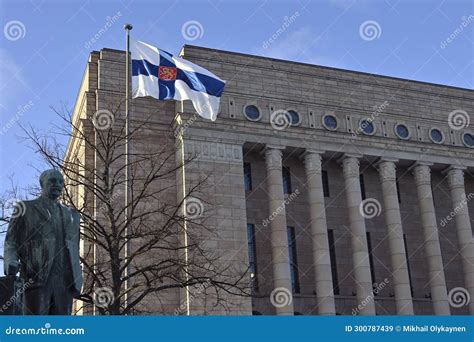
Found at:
[279, 233]
[437, 282]
[463, 227]
[360, 253]
[319, 234]
[393, 220]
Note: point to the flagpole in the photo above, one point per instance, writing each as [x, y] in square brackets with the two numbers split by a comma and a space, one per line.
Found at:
[128, 28]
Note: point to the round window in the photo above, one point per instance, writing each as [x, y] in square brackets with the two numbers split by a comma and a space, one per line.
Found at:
[293, 117]
[367, 127]
[252, 112]
[436, 136]
[330, 122]
[402, 131]
[468, 139]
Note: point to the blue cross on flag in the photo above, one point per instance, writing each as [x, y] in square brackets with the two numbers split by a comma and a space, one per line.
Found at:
[163, 76]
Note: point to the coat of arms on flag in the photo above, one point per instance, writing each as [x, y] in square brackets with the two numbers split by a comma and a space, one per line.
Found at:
[167, 73]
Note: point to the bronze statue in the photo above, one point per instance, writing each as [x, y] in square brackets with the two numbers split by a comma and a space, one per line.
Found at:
[42, 243]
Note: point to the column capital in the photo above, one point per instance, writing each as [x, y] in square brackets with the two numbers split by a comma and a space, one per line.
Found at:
[455, 177]
[387, 170]
[387, 159]
[272, 147]
[350, 165]
[349, 156]
[420, 163]
[312, 160]
[453, 167]
[422, 172]
[276, 147]
[310, 151]
[273, 156]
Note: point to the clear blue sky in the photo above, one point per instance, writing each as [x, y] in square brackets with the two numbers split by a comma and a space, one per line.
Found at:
[43, 60]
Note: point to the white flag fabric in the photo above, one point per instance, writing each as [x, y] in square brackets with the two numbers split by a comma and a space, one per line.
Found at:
[163, 76]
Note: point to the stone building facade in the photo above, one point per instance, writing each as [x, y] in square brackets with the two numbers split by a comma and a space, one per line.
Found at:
[348, 192]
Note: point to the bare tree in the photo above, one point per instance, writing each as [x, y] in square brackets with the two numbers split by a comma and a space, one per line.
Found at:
[128, 261]
[9, 198]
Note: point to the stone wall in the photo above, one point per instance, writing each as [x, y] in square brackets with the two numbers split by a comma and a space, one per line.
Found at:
[221, 147]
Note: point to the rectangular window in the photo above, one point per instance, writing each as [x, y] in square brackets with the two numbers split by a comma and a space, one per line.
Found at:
[398, 191]
[286, 180]
[252, 251]
[324, 175]
[75, 188]
[408, 263]
[332, 256]
[362, 186]
[247, 177]
[295, 282]
[433, 194]
[371, 258]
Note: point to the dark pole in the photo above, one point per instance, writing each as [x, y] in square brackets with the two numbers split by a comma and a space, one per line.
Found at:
[128, 28]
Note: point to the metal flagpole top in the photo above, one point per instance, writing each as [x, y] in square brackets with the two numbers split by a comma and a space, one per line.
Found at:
[127, 27]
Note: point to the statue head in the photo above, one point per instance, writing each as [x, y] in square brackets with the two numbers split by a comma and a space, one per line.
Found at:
[52, 184]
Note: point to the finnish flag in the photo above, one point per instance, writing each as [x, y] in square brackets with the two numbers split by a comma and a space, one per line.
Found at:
[163, 76]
